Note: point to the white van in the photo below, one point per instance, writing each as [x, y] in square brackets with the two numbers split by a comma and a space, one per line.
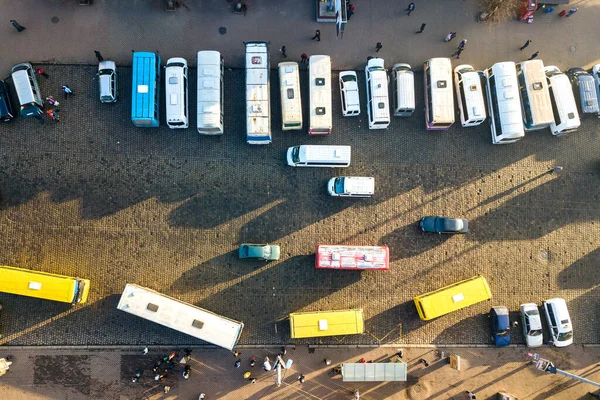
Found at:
[378, 101]
[318, 156]
[107, 81]
[349, 93]
[559, 321]
[469, 95]
[351, 186]
[403, 90]
[28, 91]
[176, 92]
[562, 99]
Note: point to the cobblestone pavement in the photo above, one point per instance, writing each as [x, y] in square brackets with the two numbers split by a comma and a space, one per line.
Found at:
[42, 373]
[93, 196]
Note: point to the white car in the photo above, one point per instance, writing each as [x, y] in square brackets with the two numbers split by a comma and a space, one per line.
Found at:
[532, 324]
[349, 93]
[559, 321]
[107, 82]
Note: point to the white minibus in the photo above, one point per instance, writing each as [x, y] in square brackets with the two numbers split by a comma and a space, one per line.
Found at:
[319, 76]
[439, 97]
[504, 105]
[403, 90]
[176, 85]
[291, 102]
[535, 97]
[318, 156]
[469, 95]
[378, 101]
[210, 93]
[564, 107]
[258, 96]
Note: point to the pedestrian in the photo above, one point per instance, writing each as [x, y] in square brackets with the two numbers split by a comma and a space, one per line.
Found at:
[40, 71]
[555, 169]
[68, 92]
[171, 356]
[362, 361]
[527, 43]
[378, 47]
[283, 351]
[356, 394]
[303, 58]
[53, 114]
[349, 14]
[98, 56]
[282, 50]
[52, 101]
[317, 36]
[411, 8]
[267, 364]
[238, 363]
[572, 11]
[424, 361]
[350, 7]
[252, 380]
[186, 372]
[534, 55]
[515, 324]
[471, 395]
[236, 353]
[327, 362]
[458, 52]
[549, 10]
[145, 350]
[462, 43]
[337, 369]
[450, 36]
[399, 355]
[422, 28]
[201, 396]
[301, 378]
[166, 388]
[17, 26]
[252, 361]
[562, 13]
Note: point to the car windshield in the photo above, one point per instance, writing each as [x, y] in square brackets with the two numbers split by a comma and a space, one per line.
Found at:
[502, 333]
[295, 153]
[339, 185]
[564, 336]
[105, 72]
[349, 78]
[449, 225]
[534, 332]
[266, 251]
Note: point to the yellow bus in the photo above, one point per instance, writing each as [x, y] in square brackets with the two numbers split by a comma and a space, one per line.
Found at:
[43, 285]
[453, 297]
[326, 323]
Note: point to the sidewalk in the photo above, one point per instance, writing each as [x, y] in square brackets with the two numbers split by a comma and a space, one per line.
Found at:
[41, 373]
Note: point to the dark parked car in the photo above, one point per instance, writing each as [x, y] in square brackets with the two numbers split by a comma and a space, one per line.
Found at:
[500, 326]
[7, 111]
[444, 225]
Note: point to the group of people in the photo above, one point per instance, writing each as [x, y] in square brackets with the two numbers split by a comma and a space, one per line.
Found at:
[165, 366]
[53, 110]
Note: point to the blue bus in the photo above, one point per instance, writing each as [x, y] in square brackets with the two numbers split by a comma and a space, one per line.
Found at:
[145, 89]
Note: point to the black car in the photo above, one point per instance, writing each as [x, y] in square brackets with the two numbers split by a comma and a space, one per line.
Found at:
[7, 112]
[444, 225]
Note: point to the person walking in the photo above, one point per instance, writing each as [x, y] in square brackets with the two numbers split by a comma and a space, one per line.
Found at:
[534, 55]
[98, 56]
[572, 11]
[40, 71]
[458, 52]
[462, 43]
[562, 13]
[411, 8]
[67, 91]
[303, 58]
[17, 26]
[450, 36]
[549, 10]
[238, 363]
[267, 364]
[527, 43]
[282, 50]
[317, 35]
[378, 47]
[422, 28]
[301, 378]
[186, 372]
[349, 14]
[236, 353]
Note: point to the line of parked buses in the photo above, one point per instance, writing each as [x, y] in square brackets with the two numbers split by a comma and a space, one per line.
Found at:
[520, 97]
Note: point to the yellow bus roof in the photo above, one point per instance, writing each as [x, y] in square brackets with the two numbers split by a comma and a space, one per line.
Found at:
[326, 323]
[453, 297]
[43, 285]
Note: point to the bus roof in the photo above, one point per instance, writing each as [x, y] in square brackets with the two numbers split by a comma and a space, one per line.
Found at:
[320, 111]
[209, 89]
[258, 117]
[183, 317]
[453, 297]
[352, 257]
[442, 96]
[509, 103]
[537, 95]
[326, 323]
[145, 66]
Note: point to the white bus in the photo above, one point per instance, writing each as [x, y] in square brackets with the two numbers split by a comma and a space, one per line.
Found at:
[378, 100]
[504, 105]
[564, 107]
[469, 95]
[291, 102]
[210, 93]
[439, 97]
[535, 97]
[182, 317]
[176, 91]
[319, 76]
[258, 104]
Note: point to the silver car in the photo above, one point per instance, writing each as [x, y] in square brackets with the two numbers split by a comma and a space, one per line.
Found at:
[532, 324]
[107, 81]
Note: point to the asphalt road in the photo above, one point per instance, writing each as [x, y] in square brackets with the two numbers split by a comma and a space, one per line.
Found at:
[95, 197]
